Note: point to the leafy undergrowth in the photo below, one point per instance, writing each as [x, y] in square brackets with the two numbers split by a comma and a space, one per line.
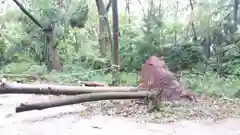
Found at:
[215, 108]
[72, 74]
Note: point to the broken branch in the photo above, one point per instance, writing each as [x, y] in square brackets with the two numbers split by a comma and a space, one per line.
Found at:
[27, 13]
[83, 98]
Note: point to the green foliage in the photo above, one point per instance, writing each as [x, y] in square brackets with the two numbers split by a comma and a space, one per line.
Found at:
[23, 45]
[80, 15]
[185, 56]
[210, 83]
[26, 67]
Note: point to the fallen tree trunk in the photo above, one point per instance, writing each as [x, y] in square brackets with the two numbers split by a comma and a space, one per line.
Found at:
[11, 88]
[83, 98]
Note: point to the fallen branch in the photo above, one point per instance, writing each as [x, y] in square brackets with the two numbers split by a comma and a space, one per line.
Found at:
[11, 88]
[82, 98]
[19, 76]
[33, 76]
[92, 84]
[37, 76]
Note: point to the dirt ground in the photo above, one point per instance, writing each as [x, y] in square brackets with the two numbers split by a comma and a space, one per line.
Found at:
[91, 118]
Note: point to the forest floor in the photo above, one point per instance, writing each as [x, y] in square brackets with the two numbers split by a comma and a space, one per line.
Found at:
[219, 116]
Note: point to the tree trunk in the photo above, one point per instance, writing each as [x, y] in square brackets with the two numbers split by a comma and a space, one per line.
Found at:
[127, 9]
[104, 40]
[235, 13]
[11, 88]
[53, 57]
[176, 21]
[192, 22]
[83, 98]
[115, 38]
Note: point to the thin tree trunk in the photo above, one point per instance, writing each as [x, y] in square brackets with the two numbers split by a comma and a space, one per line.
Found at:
[175, 27]
[108, 5]
[192, 21]
[115, 38]
[128, 10]
[235, 13]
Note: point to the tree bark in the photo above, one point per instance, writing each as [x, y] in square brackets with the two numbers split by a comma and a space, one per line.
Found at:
[127, 9]
[104, 29]
[192, 21]
[83, 98]
[176, 21]
[11, 88]
[115, 40]
[53, 57]
[235, 14]
[108, 5]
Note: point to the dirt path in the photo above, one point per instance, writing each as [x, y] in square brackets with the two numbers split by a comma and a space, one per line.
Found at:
[66, 120]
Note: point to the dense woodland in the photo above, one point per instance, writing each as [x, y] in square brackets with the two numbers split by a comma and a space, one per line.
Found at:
[199, 40]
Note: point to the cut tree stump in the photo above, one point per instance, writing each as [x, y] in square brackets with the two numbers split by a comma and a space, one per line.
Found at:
[19, 88]
[83, 98]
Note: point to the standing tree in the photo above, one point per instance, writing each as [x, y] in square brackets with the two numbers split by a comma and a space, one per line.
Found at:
[192, 21]
[115, 39]
[53, 58]
[105, 41]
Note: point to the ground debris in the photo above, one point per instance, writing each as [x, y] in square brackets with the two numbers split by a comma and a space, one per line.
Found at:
[215, 109]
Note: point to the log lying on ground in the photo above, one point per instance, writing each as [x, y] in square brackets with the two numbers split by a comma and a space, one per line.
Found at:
[83, 98]
[33, 76]
[11, 88]
[93, 84]
[37, 77]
